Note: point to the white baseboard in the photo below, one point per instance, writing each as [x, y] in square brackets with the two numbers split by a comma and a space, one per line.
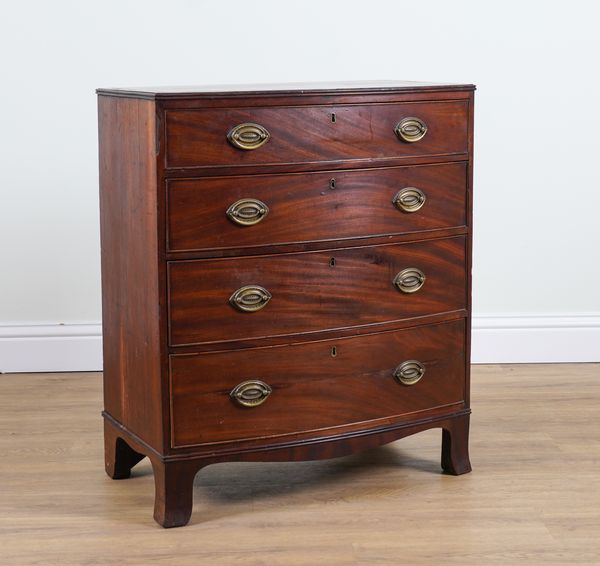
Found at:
[51, 347]
[496, 339]
[535, 338]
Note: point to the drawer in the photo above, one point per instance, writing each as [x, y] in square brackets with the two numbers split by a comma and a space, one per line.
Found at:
[275, 295]
[309, 134]
[235, 212]
[316, 385]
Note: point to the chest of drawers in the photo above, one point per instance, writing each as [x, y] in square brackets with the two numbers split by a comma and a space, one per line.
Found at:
[285, 274]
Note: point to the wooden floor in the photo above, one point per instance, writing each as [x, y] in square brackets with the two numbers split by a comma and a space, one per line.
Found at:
[533, 496]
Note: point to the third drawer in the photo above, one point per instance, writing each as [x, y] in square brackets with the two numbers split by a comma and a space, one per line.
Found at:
[252, 297]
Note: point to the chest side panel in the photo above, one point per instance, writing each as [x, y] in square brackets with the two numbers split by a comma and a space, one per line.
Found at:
[130, 266]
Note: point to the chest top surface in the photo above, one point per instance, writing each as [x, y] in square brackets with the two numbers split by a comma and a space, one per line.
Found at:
[309, 88]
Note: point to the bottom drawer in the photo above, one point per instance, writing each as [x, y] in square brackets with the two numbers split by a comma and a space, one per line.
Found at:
[315, 385]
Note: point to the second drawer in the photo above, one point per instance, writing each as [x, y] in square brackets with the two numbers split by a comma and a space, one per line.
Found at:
[229, 212]
[253, 297]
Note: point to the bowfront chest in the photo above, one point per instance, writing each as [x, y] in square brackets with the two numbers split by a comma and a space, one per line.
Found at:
[285, 274]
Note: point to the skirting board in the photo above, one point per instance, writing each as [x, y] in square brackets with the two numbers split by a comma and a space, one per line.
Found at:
[495, 339]
[51, 347]
[535, 338]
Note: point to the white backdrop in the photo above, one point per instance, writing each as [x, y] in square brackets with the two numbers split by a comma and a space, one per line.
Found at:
[537, 180]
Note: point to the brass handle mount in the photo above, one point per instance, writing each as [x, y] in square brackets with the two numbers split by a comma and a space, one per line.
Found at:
[247, 211]
[248, 136]
[411, 129]
[250, 298]
[409, 280]
[409, 199]
[251, 393]
[409, 372]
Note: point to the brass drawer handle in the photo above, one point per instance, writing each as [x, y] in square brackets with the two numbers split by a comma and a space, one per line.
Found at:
[409, 199]
[251, 393]
[248, 136]
[409, 280]
[409, 372]
[250, 298]
[411, 129]
[247, 211]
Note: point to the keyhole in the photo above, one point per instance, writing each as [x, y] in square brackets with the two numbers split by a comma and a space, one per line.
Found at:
[332, 262]
[333, 117]
[332, 184]
[333, 351]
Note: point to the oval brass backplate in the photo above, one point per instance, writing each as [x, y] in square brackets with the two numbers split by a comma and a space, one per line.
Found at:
[247, 211]
[248, 136]
[250, 298]
[409, 280]
[411, 129]
[409, 199]
[251, 393]
[409, 372]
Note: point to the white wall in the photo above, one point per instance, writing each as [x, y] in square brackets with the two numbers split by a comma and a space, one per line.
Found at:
[537, 177]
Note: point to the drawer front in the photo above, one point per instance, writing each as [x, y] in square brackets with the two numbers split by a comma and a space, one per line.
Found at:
[305, 134]
[231, 212]
[316, 385]
[313, 291]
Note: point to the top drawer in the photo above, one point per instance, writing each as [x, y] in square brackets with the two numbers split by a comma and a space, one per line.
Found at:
[310, 134]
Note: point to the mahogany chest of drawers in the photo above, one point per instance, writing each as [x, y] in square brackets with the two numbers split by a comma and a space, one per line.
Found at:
[285, 274]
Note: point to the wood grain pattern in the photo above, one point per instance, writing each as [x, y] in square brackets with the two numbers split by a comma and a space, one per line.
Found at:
[309, 294]
[130, 266]
[198, 138]
[309, 207]
[315, 388]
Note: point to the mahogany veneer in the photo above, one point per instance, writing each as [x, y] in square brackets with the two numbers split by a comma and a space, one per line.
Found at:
[301, 204]
[310, 294]
[313, 133]
[285, 273]
[316, 390]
